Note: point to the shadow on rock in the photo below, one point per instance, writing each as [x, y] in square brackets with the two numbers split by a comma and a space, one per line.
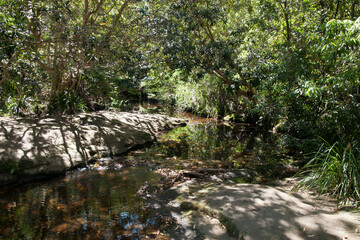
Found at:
[41, 147]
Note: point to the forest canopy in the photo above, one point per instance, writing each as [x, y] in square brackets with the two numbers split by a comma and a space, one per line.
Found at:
[286, 63]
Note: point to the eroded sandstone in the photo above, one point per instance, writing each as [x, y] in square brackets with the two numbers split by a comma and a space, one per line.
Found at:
[37, 147]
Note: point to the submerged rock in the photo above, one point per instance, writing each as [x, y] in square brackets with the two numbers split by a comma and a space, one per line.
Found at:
[39, 147]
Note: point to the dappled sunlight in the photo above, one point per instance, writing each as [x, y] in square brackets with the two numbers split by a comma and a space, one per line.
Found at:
[50, 146]
[263, 212]
[215, 145]
[106, 200]
[270, 89]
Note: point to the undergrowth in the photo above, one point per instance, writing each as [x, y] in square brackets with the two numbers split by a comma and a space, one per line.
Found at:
[335, 169]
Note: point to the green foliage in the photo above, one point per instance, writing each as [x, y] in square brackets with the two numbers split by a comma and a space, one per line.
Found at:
[16, 105]
[199, 39]
[326, 99]
[21, 106]
[117, 104]
[202, 97]
[288, 65]
[206, 96]
[67, 102]
[309, 86]
[334, 169]
[70, 45]
[293, 63]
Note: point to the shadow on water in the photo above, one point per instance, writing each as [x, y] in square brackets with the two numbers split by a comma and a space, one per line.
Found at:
[214, 145]
[85, 204]
[104, 204]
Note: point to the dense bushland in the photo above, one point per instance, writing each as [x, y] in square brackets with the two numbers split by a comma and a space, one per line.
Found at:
[290, 66]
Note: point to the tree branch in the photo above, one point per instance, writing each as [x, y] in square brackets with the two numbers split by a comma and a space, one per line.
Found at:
[210, 34]
[88, 14]
[248, 94]
[109, 34]
[11, 60]
[43, 65]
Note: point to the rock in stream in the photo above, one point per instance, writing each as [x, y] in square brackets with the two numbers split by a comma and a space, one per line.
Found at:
[32, 148]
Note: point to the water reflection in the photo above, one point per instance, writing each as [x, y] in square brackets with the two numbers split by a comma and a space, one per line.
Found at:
[87, 205]
[214, 145]
[103, 204]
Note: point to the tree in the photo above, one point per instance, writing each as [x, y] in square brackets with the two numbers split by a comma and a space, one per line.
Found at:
[13, 36]
[67, 45]
[66, 38]
[195, 36]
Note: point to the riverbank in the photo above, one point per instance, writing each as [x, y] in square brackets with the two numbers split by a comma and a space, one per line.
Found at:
[34, 148]
[221, 209]
[184, 186]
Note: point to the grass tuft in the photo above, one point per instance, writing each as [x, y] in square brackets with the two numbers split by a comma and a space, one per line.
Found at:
[335, 169]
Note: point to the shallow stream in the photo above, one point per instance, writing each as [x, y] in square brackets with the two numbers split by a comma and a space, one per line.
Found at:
[102, 201]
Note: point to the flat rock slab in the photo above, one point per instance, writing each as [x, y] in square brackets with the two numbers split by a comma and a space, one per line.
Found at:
[267, 212]
[37, 147]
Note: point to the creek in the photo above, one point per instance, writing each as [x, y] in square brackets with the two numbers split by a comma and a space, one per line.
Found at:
[102, 201]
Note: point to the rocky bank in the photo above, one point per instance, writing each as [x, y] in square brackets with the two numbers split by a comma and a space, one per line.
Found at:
[32, 148]
[222, 209]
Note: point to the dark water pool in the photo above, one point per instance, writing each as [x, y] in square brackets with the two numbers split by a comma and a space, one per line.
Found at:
[215, 145]
[101, 203]
[89, 204]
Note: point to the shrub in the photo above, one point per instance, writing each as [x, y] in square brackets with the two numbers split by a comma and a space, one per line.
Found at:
[67, 102]
[16, 105]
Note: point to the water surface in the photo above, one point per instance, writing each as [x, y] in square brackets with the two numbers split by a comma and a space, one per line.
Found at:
[89, 204]
[101, 202]
[218, 145]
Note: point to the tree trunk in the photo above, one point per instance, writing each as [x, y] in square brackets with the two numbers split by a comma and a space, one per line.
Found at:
[55, 83]
[249, 93]
[352, 10]
[337, 8]
[287, 21]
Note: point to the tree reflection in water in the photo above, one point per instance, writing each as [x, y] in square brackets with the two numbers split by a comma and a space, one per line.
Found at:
[214, 145]
[103, 204]
[89, 204]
